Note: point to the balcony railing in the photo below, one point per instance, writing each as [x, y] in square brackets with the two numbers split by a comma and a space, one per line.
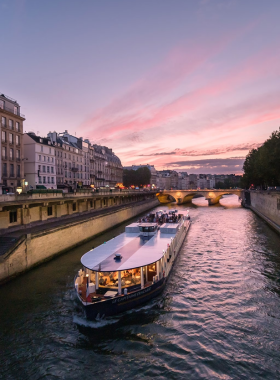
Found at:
[4, 107]
[92, 175]
[75, 170]
[4, 157]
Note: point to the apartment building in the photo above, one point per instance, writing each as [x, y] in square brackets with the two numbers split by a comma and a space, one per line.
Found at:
[69, 162]
[92, 165]
[167, 179]
[39, 166]
[183, 181]
[11, 144]
[106, 167]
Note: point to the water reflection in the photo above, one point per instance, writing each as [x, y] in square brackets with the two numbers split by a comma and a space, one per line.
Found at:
[218, 317]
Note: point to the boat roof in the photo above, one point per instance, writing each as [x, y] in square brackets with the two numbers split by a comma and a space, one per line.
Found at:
[146, 224]
[136, 251]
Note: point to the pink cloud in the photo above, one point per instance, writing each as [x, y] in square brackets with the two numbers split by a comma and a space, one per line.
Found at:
[151, 116]
[135, 108]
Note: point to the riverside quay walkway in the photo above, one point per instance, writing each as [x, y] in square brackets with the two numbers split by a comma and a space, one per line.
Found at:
[36, 227]
[185, 196]
[18, 212]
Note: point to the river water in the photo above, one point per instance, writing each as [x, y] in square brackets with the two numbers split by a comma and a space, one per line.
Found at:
[218, 318]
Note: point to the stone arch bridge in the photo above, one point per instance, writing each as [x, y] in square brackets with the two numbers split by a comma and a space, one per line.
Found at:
[185, 196]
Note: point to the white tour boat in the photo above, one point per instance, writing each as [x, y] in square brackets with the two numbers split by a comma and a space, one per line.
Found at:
[131, 268]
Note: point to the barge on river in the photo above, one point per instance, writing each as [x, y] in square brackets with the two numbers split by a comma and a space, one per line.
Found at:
[131, 268]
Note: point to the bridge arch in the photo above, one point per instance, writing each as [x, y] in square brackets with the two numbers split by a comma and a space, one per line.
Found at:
[186, 196]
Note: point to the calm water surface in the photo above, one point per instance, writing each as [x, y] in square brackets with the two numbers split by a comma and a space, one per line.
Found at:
[218, 318]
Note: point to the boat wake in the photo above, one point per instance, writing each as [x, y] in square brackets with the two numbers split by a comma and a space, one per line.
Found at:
[102, 322]
[96, 324]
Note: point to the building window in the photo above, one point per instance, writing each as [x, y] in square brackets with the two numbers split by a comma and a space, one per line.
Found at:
[52, 169]
[45, 158]
[18, 155]
[11, 154]
[12, 173]
[50, 150]
[40, 179]
[49, 210]
[52, 178]
[4, 153]
[3, 121]
[48, 159]
[18, 170]
[11, 124]
[4, 169]
[44, 179]
[49, 180]
[74, 206]
[42, 148]
[44, 169]
[39, 167]
[17, 126]
[2, 104]
[4, 136]
[17, 140]
[91, 204]
[11, 138]
[15, 110]
[40, 157]
[13, 216]
[48, 169]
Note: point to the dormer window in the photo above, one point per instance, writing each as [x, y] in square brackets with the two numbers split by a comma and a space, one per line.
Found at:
[41, 140]
[49, 142]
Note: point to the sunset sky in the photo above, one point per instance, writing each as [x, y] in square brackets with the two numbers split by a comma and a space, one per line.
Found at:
[188, 85]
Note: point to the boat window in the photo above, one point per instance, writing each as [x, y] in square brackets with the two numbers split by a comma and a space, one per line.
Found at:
[128, 278]
[147, 229]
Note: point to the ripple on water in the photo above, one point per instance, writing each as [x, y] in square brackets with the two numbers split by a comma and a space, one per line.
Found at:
[218, 317]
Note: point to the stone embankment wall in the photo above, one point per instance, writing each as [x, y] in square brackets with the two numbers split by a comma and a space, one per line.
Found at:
[36, 248]
[267, 205]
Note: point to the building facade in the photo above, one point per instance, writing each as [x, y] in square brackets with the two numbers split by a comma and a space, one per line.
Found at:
[167, 179]
[11, 144]
[85, 164]
[69, 162]
[40, 165]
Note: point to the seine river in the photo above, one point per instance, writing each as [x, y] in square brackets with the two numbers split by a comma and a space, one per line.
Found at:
[218, 318]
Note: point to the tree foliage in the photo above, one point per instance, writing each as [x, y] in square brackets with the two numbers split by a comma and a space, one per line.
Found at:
[262, 165]
[139, 177]
[228, 183]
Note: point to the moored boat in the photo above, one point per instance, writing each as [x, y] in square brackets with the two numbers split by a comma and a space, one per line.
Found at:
[132, 268]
